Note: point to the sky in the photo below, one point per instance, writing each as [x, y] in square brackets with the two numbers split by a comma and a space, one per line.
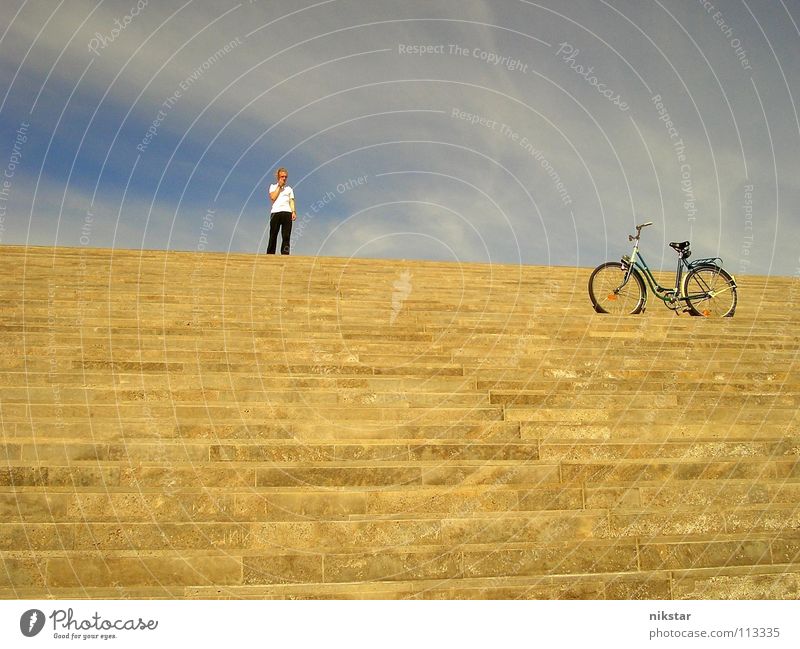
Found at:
[508, 131]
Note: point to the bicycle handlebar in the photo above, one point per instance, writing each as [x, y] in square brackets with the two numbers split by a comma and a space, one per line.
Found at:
[639, 231]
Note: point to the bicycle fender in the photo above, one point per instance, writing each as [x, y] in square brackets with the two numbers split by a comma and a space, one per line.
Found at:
[636, 272]
[715, 267]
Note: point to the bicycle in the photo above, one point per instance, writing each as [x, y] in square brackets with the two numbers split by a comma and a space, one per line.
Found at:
[619, 286]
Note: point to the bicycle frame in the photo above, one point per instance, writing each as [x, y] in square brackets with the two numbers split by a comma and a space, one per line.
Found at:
[661, 292]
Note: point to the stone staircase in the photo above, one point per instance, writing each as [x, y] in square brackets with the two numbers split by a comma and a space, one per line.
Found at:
[233, 426]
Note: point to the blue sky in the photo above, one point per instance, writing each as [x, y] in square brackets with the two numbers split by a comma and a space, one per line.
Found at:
[504, 132]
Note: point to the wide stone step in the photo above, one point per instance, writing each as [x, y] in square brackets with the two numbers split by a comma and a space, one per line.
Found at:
[616, 400]
[646, 542]
[768, 582]
[243, 413]
[641, 414]
[184, 451]
[305, 432]
[120, 504]
[238, 474]
[657, 431]
[217, 380]
[355, 397]
[650, 501]
[611, 398]
[391, 473]
[41, 338]
[265, 352]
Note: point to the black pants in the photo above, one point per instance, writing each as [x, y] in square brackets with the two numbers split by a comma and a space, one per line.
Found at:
[282, 221]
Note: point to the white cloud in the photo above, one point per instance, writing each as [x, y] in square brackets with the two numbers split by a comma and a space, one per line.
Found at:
[324, 89]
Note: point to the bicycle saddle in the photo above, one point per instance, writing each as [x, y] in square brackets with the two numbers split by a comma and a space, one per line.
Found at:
[680, 247]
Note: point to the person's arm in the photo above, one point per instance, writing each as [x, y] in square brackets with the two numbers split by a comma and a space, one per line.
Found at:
[291, 205]
[273, 194]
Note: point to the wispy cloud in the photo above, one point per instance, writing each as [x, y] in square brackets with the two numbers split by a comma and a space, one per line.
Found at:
[486, 131]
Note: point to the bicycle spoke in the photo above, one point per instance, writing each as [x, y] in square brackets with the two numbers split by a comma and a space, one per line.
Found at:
[710, 292]
[610, 296]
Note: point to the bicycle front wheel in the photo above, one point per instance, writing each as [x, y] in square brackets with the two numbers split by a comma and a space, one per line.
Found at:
[609, 296]
[710, 291]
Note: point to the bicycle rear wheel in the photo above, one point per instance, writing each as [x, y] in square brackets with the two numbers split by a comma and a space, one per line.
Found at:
[606, 292]
[710, 291]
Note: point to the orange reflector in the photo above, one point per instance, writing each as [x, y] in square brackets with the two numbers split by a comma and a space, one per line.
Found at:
[612, 297]
[706, 313]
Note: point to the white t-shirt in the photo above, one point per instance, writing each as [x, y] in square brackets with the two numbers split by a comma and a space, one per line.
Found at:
[281, 203]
